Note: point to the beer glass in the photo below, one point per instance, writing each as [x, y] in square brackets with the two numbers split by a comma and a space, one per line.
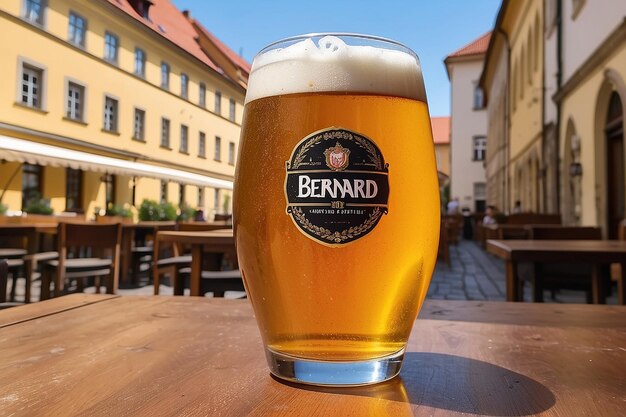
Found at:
[336, 205]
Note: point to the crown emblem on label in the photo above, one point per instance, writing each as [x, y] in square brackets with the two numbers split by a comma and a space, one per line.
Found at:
[337, 157]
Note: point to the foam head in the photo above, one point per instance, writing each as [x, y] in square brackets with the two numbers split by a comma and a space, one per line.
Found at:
[331, 65]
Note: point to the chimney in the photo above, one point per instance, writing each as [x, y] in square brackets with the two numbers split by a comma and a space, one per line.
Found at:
[187, 14]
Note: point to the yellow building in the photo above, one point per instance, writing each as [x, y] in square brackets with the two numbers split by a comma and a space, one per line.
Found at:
[114, 101]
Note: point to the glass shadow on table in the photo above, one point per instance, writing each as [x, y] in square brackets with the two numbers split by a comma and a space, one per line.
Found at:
[456, 384]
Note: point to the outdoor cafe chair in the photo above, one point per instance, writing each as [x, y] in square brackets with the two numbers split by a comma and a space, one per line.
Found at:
[75, 240]
[4, 276]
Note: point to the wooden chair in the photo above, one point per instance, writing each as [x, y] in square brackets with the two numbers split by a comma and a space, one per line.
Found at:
[617, 270]
[554, 276]
[79, 239]
[180, 255]
[4, 276]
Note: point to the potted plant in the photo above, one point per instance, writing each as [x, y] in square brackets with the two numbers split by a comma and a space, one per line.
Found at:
[115, 213]
[150, 210]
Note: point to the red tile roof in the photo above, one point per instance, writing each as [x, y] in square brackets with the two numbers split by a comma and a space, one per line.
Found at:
[476, 47]
[169, 22]
[441, 130]
[229, 53]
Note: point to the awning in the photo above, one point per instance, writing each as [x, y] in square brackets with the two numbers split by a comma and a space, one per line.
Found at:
[20, 150]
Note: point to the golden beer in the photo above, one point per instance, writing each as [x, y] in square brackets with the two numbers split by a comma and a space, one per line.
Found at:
[320, 301]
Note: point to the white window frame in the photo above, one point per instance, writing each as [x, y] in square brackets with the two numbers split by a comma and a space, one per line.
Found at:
[232, 109]
[82, 104]
[185, 129]
[184, 85]
[139, 127]
[217, 150]
[200, 197]
[116, 115]
[144, 59]
[479, 145]
[202, 144]
[115, 58]
[202, 94]
[41, 22]
[218, 102]
[216, 199]
[71, 39]
[164, 121]
[231, 153]
[165, 75]
[23, 62]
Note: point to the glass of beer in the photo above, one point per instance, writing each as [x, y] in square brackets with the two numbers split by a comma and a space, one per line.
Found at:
[336, 205]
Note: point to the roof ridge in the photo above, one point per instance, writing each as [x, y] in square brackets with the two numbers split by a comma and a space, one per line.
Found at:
[475, 47]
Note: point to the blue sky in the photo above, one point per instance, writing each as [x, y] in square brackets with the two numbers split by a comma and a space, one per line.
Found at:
[432, 28]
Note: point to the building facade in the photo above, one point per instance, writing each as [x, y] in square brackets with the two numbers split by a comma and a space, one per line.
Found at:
[111, 102]
[468, 137]
[562, 127]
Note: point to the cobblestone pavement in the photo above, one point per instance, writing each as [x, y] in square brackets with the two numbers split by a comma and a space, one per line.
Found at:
[474, 274]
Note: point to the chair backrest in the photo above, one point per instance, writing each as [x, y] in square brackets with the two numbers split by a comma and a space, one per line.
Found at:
[23, 237]
[4, 276]
[89, 235]
[565, 233]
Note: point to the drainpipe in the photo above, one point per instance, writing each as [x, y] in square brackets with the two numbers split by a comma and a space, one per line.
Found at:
[559, 82]
[507, 121]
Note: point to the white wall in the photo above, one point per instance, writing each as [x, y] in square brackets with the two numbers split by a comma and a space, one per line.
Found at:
[466, 123]
[595, 21]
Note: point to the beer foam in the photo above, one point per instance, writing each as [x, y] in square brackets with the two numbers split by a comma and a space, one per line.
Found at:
[333, 66]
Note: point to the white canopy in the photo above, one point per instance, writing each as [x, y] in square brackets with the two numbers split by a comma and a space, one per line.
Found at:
[20, 150]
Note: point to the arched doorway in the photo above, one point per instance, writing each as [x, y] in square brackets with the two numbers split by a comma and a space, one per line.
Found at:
[614, 131]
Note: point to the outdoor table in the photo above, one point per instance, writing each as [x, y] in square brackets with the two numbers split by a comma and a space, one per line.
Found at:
[215, 241]
[593, 252]
[116, 356]
[30, 232]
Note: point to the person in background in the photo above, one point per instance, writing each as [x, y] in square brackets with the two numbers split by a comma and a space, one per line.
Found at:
[453, 206]
[199, 217]
[490, 214]
[518, 207]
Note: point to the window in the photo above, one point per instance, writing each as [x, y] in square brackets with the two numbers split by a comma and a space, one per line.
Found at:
[478, 97]
[111, 46]
[218, 102]
[31, 183]
[231, 153]
[73, 189]
[75, 101]
[181, 195]
[217, 155]
[184, 136]
[165, 133]
[77, 30]
[140, 62]
[33, 11]
[479, 148]
[109, 189]
[32, 80]
[202, 93]
[165, 75]
[200, 197]
[184, 85]
[231, 110]
[110, 114]
[202, 145]
[163, 191]
[139, 124]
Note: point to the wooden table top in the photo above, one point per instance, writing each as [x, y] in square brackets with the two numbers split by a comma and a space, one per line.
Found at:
[559, 250]
[222, 235]
[110, 355]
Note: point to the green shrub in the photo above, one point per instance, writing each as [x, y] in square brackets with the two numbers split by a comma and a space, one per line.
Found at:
[38, 206]
[117, 210]
[186, 213]
[3, 209]
[150, 210]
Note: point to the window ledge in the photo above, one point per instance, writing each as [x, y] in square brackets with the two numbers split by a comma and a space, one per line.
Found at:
[138, 139]
[202, 156]
[183, 152]
[26, 106]
[110, 132]
[217, 160]
[169, 148]
[77, 121]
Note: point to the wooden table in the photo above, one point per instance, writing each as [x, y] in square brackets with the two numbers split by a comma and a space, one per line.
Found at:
[593, 252]
[216, 241]
[171, 356]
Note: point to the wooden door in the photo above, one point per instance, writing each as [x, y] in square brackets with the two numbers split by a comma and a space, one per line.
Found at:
[615, 165]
